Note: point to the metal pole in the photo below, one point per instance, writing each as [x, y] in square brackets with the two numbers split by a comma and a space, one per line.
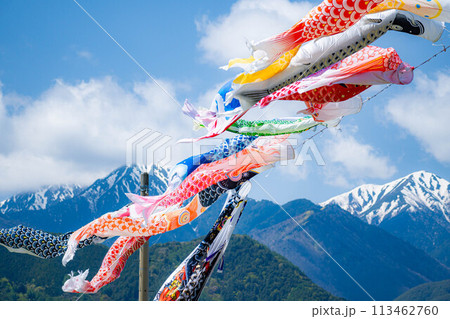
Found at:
[143, 251]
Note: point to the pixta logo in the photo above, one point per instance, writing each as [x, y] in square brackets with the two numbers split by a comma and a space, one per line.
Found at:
[309, 152]
[153, 147]
[149, 147]
[293, 151]
[305, 151]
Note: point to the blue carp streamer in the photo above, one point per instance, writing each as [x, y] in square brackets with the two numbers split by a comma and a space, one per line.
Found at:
[227, 148]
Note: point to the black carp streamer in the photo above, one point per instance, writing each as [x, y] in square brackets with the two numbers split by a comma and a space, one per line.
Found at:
[26, 240]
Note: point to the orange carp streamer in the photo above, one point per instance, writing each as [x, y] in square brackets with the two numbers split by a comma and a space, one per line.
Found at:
[125, 223]
[121, 224]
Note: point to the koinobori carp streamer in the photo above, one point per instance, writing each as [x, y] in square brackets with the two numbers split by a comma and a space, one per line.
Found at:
[117, 256]
[264, 151]
[111, 267]
[337, 84]
[344, 80]
[316, 55]
[328, 18]
[227, 148]
[38, 243]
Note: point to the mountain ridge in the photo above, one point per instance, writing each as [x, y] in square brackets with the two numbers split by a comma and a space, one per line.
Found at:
[349, 239]
[384, 264]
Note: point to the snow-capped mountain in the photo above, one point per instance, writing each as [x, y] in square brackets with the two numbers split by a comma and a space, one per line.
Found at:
[65, 208]
[105, 193]
[42, 199]
[416, 192]
[415, 208]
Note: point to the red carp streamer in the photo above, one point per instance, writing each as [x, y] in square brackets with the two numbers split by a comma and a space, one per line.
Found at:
[112, 266]
[328, 18]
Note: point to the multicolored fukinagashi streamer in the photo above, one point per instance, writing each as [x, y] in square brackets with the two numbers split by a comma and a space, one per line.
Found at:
[190, 277]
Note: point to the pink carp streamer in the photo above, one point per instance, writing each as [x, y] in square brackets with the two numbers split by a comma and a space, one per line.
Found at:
[264, 151]
[345, 79]
[112, 266]
[328, 18]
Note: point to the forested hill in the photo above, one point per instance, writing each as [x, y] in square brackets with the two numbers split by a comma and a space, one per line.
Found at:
[251, 272]
[431, 291]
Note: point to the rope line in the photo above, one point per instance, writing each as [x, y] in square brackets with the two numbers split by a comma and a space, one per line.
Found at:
[128, 54]
[310, 138]
[315, 241]
[444, 49]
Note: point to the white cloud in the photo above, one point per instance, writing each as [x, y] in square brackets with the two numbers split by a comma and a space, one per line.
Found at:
[349, 161]
[424, 112]
[224, 38]
[294, 172]
[77, 132]
[205, 99]
[25, 170]
[84, 54]
[74, 133]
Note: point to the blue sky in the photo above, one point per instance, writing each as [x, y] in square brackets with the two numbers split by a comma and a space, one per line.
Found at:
[70, 97]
